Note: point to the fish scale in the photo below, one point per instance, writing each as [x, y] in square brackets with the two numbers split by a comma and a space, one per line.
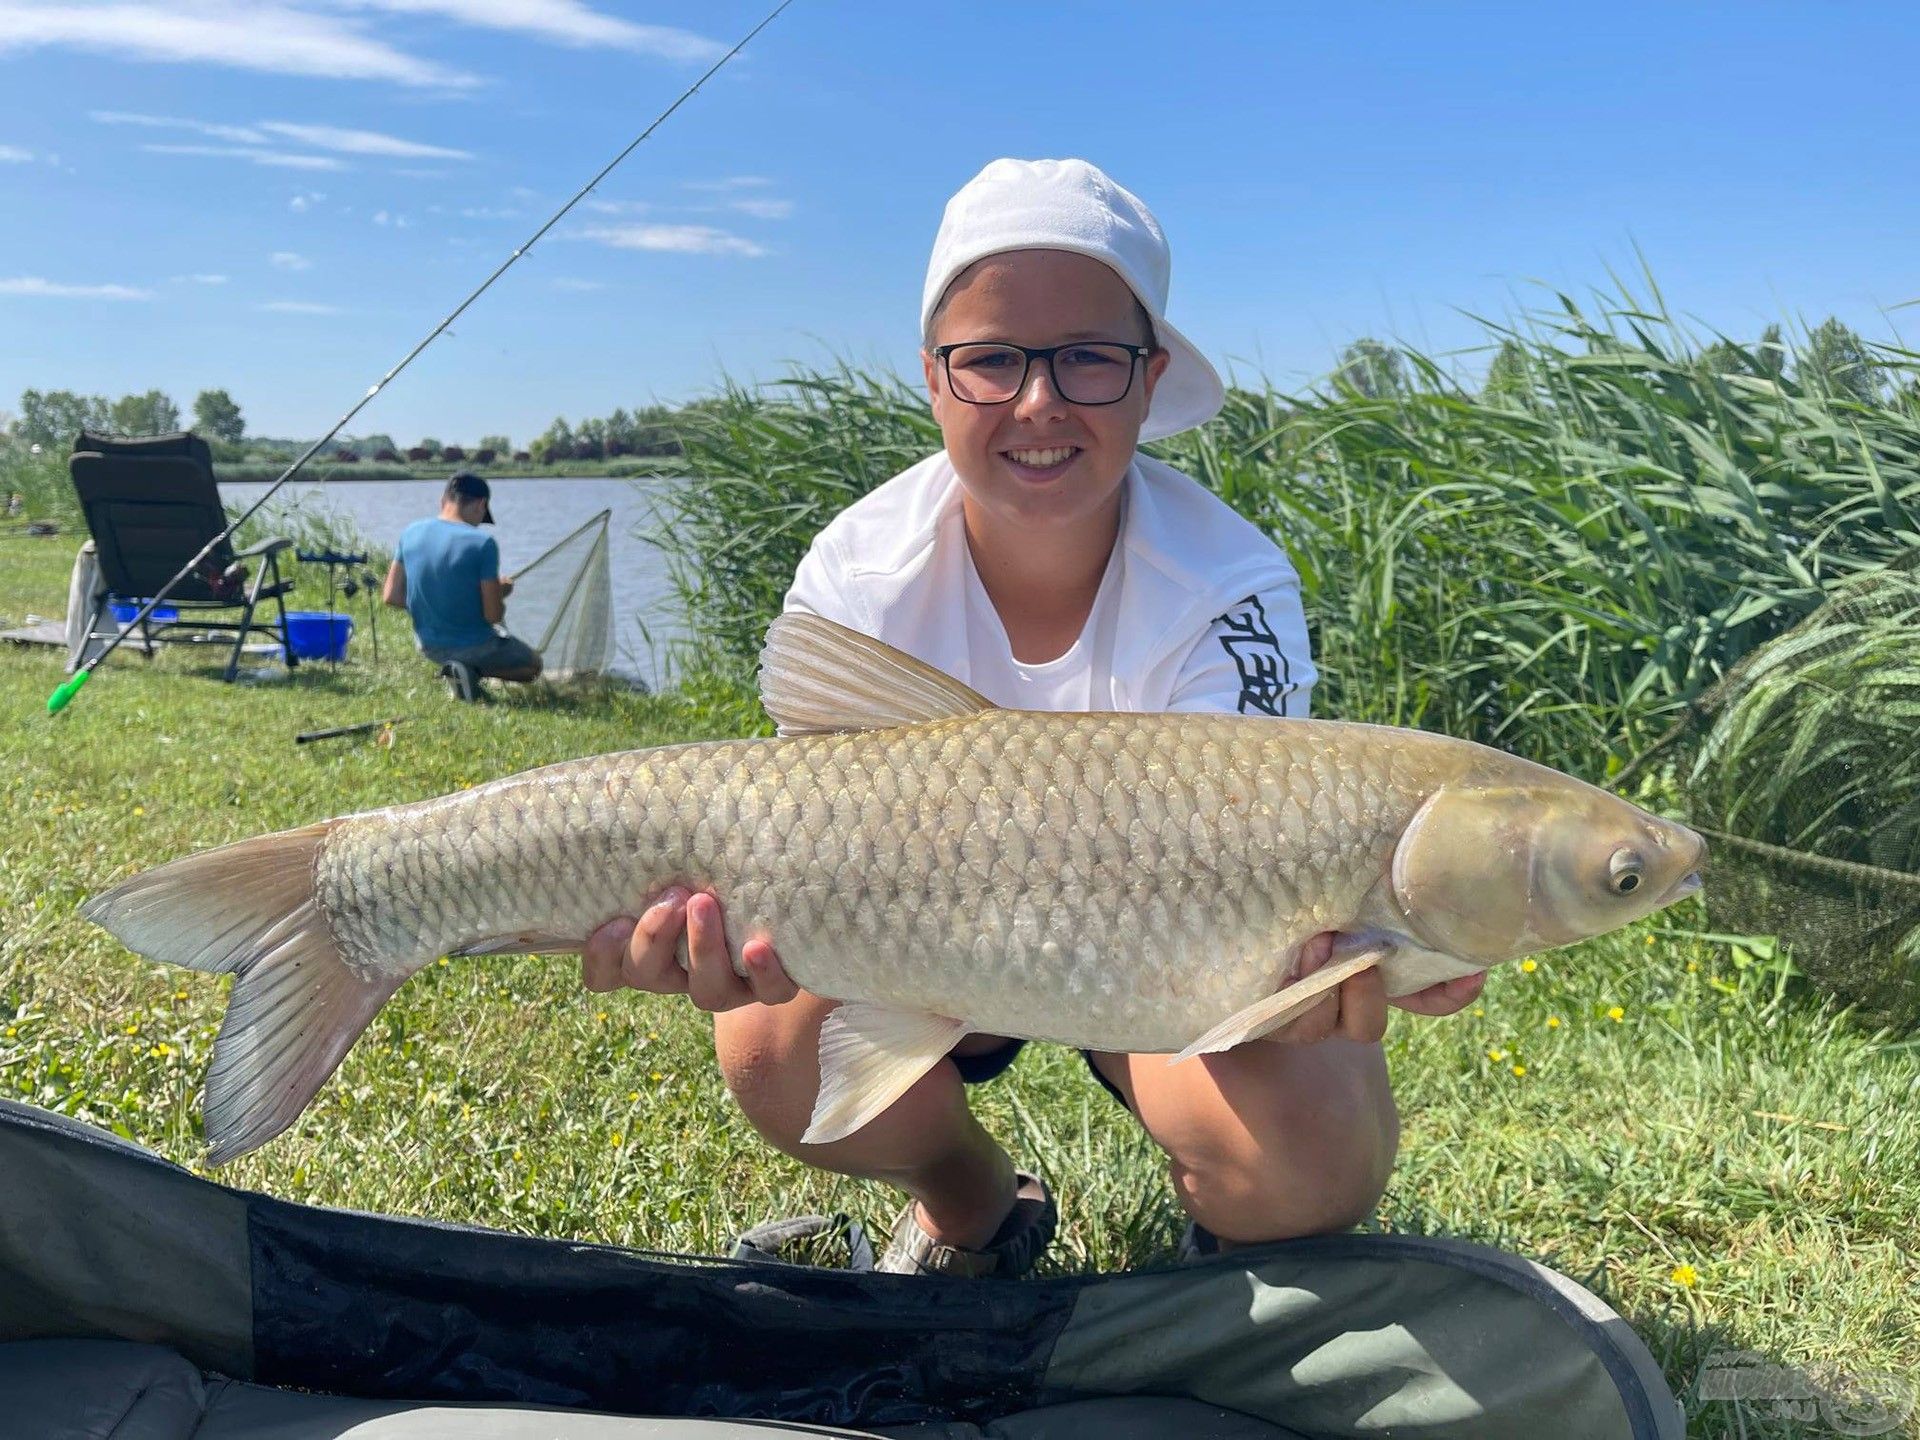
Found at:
[836, 846]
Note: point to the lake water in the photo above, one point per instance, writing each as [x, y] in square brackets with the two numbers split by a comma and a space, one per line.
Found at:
[529, 516]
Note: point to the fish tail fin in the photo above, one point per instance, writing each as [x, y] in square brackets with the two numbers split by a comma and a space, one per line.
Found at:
[249, 910]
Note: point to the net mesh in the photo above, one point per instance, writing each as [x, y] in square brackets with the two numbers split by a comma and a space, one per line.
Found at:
[1803, 768]
[563, 603]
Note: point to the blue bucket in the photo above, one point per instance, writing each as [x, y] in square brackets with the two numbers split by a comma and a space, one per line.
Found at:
[318, 634]
[125, 610]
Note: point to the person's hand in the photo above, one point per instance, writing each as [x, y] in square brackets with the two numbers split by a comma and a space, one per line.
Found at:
[1356, 1009]
[646, 954]
[506, 586]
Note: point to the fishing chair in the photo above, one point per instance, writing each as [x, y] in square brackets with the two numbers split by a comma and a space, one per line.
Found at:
[151, 504]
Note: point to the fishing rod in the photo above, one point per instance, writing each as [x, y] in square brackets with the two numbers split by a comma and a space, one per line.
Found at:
[60, 698]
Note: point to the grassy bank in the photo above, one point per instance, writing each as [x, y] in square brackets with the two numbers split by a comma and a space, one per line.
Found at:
[1666, 1115]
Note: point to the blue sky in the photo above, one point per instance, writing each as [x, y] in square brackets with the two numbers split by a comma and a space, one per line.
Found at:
[280, 196]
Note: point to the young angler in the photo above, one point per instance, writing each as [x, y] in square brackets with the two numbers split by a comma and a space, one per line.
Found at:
[1044, 561]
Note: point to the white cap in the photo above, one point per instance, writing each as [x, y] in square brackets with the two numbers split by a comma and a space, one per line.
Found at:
[1071, 205]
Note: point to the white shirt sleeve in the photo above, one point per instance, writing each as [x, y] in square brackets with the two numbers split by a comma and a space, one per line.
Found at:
[1252, 660]
[818, 587]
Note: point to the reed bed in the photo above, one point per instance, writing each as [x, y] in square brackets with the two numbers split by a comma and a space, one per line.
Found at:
[1556, 562]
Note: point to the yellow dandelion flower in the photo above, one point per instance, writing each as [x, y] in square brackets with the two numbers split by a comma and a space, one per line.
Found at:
[1685, 1276]
[179, 994]
[1553, 1022]
[1616, 1013]
[615, 1139]
[633, 1096]
[1479, 1009]
[517, 1157]
[1519, 1070]
[12, 1030]
[443, 960]
[1496, 1056]
[139, 809]
[656, 1076]
[1649, 939]
[466, 1112]
[601, 1016]
[1692, 966]
[133, 1029]
[1529, 966]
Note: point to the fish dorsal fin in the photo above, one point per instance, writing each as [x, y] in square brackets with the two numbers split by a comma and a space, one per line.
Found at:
[817, 676]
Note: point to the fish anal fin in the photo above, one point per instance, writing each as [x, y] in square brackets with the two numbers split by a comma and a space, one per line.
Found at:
[1269, 1014]
[870, 1055]
[816, 676]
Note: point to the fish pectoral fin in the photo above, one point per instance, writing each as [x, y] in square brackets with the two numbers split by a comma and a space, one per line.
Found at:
[816, 676]
[1265, 1016]
[869, 1056]
[531, 943]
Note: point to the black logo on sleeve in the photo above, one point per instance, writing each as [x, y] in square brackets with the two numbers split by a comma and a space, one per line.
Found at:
[1266, 679]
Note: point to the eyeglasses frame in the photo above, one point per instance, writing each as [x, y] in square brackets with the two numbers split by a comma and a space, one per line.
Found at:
[944, 354]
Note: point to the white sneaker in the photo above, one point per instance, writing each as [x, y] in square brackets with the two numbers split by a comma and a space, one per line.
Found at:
[461, 680]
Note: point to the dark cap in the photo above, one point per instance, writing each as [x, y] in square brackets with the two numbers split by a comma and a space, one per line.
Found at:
[465, 485]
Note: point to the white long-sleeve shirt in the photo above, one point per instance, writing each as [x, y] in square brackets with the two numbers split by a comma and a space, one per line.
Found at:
[1198, 610]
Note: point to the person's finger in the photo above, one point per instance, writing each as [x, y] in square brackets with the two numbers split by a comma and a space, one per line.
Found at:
[766, 976]
[710, 979]
[1445, 997]
[1363, 1007]
[600, 960]
[651, 962]
[1317, 1023]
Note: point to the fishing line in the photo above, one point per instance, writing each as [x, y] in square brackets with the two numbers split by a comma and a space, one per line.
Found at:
[58, 701]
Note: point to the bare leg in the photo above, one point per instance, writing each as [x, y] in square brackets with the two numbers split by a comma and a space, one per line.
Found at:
[927, 1142]
[1269, 1141]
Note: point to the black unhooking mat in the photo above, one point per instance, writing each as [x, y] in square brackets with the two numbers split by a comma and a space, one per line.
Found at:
[139, 1302]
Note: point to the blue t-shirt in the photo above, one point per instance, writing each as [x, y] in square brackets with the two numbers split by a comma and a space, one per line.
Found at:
[445, 561]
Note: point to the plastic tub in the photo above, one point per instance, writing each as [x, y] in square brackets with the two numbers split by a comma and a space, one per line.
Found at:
[318, 634]
[125, 610]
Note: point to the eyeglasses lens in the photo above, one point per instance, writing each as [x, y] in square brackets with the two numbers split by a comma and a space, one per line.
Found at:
[1083, 374]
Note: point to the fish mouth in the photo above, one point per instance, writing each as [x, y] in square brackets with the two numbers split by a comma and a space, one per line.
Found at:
[1688, 884]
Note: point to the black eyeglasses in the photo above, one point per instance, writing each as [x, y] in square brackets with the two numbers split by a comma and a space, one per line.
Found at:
[1083, 373]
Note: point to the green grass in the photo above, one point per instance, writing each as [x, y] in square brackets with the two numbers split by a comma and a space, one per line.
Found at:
[1727, 1120]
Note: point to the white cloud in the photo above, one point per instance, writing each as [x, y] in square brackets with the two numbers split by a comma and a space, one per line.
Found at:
[483, 212]
[36, 285]
[288, 260]
[763, 209]
[274, 37]
[14, 155]
[266, 132]
[239, 134]
[565, 22]
[360, 142]
[680, 239]
[732, 182]
[398, 222]
[616, 207]
[199, 279]
[297, 307]
[568, 282]
[305, 201]
[279, 159]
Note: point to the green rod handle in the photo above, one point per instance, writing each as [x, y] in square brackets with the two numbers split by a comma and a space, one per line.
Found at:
[57, 701]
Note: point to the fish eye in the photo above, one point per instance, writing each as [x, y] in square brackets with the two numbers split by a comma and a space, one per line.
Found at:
[1623, 872]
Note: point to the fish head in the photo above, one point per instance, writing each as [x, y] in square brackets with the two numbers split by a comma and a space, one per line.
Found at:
[1490, 874]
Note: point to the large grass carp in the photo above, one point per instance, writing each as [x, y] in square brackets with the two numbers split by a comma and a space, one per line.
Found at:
[1121, 882]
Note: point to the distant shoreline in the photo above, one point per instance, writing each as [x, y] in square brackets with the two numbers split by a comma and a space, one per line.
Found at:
[253, 472]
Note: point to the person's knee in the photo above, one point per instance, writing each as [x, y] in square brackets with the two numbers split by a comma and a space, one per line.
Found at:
[1279, 1165]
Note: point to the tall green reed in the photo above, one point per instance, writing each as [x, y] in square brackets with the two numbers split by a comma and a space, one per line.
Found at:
[1556, 562]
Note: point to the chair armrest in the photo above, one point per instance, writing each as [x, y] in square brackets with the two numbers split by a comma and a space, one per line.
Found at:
[265, 547]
